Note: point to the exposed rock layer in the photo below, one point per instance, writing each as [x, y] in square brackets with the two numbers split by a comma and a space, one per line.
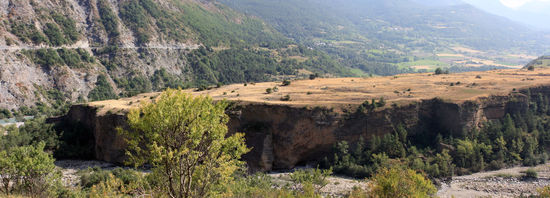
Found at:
[22, 80]
[283, 136]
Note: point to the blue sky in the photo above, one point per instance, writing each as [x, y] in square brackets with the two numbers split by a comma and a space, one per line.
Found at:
[535, 13]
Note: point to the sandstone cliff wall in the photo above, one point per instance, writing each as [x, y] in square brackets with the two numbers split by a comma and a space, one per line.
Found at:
[284, 136]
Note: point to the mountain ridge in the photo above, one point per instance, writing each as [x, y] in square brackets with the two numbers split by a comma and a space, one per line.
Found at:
[59, 52]
[62, 52]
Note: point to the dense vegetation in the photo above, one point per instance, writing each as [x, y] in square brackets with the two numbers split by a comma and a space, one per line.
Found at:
[520, 138]
[50, 58]
[27, 33]
[236, 48]
[240, 65]
[102, 91]
[395, 159]
[375, 36]
[331, 39]
[62, 31]
[190, 161]
[213, 28]
[195, 161]
[134, 85]
[26, 165]
[109, 21]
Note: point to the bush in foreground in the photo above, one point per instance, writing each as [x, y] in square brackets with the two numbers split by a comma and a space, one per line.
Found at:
[185, 143]
[397, 182]
[28, 170]
[530, 173]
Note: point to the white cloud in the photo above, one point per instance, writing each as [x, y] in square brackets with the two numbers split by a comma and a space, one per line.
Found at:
[515, 4]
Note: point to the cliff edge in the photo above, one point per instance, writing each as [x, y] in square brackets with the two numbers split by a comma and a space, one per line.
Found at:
[318, 113]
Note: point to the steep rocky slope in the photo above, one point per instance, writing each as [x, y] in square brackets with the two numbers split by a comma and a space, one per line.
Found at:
[31, 25]
[284, 134]
[57, 50]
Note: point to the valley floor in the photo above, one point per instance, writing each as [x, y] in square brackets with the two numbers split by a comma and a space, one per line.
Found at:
[500, 183]
[337, 186]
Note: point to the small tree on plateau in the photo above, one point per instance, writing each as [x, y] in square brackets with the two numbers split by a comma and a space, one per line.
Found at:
[438, 71]
[184, 138]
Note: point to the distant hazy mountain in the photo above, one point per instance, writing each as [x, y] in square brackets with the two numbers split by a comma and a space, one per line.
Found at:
[533, 13]
[439, 2]
[399, 24]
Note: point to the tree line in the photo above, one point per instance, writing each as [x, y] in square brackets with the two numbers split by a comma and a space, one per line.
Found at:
[520, 138]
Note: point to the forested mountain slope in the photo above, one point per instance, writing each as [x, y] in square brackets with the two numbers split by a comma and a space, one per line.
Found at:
[56, 52]
[368, 34]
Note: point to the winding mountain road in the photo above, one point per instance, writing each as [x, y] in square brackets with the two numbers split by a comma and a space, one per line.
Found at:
[82, 45]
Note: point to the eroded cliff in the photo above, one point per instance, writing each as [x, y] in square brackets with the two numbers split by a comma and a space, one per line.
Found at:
[283, 136]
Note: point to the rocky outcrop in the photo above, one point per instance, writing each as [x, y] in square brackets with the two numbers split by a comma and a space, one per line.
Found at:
[282, 136]
[23, 80]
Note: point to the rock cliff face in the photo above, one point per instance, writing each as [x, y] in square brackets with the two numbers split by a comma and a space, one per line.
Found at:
[63, 46]
[282, 136]
[32, 25]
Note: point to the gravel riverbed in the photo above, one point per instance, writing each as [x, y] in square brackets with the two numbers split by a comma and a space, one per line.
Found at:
[501, 183]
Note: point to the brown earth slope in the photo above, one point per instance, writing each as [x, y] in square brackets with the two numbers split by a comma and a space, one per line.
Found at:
[321, 112]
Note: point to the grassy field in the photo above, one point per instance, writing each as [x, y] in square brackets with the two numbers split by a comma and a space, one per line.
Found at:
[338, 92]
[424, 64]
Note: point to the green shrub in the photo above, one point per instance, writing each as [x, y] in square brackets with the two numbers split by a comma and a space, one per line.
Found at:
[397, 182]
[117, 183]
[32, 133]
[440, 71]
[70, 57]
[268, 91]
[315, 177]
[262, 185]
[162, 79]
[108, 20]
[68, 26]
[27, 33]
[286, 83]
[102, 91]
[544, 192]
[313, 76]
[530, 173]
[251, 186]
[54, 34]
[4, 113]
[127, 176]
[92, 176]
[47, 58]
[85, 56]
[134, 86]
[135, 17]
[285, 98]
[29, 170]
